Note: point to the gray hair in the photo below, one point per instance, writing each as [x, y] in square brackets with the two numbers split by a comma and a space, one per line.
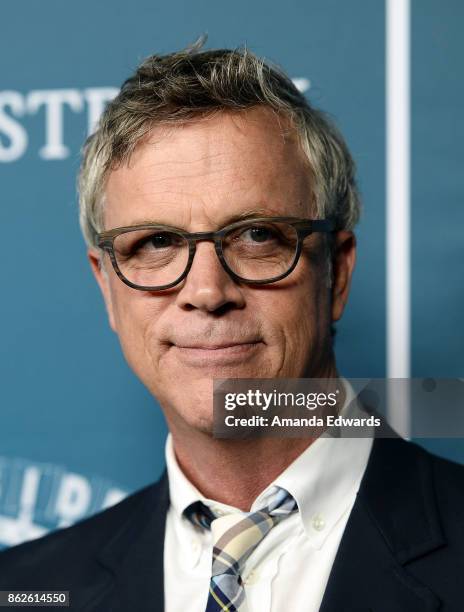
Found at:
[183, 86]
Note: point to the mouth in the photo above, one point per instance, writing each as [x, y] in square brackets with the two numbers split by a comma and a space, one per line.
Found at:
[214, 347]
[226, 353]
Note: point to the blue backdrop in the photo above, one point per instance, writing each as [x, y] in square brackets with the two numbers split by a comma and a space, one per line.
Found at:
[78, 429]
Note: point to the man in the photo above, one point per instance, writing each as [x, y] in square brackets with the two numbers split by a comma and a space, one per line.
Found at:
[218, 207]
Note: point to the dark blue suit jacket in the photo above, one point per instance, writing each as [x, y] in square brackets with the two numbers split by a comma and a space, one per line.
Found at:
[402, 549]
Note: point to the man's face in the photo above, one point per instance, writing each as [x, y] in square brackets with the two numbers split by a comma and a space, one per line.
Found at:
[200, 177]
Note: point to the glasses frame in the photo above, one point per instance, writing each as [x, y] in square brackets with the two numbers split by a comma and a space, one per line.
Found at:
[303, 227]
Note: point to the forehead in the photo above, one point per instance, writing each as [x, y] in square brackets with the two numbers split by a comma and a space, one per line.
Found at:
[200, 174]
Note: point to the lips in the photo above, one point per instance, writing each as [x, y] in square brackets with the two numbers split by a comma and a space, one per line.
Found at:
[214, 347]
[214, 355]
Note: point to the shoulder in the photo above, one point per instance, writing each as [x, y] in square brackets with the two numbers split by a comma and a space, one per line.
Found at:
[70, 551]
[406, 458]
[448, 474]
[448, 478]
[407, 471]
[403, 451]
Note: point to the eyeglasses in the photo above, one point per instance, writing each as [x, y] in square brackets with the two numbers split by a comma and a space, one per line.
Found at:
[259, 251]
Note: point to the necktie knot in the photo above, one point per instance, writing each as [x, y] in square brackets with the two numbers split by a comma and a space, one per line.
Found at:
[235, 537]
[278, 503]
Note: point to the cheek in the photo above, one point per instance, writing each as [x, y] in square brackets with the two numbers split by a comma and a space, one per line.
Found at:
[298, 319]
[135, 315]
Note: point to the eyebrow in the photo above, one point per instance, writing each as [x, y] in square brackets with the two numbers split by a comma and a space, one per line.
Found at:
[242, 216]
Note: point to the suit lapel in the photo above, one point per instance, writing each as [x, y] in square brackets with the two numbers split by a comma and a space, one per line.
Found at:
[394, 521]
[134, 558]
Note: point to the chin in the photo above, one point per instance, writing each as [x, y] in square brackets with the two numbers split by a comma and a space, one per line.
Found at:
[195, 419]
[192, 403]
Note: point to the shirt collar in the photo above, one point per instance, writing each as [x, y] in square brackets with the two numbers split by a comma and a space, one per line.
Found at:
[182, 492]
[323, 479]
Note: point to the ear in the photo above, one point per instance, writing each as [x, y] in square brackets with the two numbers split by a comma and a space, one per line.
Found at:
[344, 259]
[97, 263]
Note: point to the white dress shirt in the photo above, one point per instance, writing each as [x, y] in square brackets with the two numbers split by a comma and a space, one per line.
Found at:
[290, 568]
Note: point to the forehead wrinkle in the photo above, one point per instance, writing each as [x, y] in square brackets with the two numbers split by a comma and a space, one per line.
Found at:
[223, 172]
[179, 161]
[212, 138]
[219, 172]
[231, 176]
[164, 187]
[203, 164]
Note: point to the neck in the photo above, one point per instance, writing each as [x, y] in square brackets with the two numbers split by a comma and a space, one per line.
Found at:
[234, 472]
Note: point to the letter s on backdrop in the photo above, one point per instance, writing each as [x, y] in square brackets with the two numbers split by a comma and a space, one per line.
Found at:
[13, 130]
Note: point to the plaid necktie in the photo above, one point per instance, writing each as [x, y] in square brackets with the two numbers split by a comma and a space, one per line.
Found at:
[235, 536]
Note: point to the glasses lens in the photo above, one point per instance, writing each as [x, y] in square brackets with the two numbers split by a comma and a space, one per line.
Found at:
[260, 250]
[151, 258]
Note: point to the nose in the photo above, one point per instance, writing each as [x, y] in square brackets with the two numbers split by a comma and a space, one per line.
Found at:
[208, 287]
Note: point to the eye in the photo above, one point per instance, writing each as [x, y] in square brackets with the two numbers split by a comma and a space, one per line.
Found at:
[158, 241]
[148, 243]
[259, 234]
[161, 240]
